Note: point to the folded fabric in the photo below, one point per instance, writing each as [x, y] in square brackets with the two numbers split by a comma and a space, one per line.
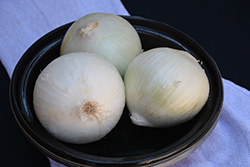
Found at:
[23, 22]
[229, 143]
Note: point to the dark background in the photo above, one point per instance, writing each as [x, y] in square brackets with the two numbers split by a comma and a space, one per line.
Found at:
[222, 28]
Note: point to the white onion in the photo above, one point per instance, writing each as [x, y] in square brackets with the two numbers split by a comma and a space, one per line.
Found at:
[165, 87]
[79, 97]
[107, 35]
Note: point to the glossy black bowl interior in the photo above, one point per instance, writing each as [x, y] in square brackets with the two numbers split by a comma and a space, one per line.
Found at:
[126, 144]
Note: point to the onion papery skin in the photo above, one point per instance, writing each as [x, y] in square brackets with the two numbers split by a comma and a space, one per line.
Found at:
[104, 34]
[79, 97]
[165, 87]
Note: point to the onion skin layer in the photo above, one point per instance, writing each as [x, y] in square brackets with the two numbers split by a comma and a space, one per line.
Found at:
[165, 87]
[79, 97]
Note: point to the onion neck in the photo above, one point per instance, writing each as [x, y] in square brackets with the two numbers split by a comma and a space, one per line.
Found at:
[88, 29]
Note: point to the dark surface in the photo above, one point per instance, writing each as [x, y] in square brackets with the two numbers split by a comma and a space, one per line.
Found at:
[16, 150]
[220, 27]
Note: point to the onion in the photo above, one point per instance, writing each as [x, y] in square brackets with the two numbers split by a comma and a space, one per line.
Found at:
[165, 87]
[107, 35]
[79, 97]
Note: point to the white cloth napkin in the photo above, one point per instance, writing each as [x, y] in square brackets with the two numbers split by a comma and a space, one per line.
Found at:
[229, 143]
[23, 22]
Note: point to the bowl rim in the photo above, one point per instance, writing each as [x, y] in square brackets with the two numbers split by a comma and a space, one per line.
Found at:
[159, 158]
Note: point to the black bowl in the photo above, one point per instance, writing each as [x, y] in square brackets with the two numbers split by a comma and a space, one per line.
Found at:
[126, 144]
